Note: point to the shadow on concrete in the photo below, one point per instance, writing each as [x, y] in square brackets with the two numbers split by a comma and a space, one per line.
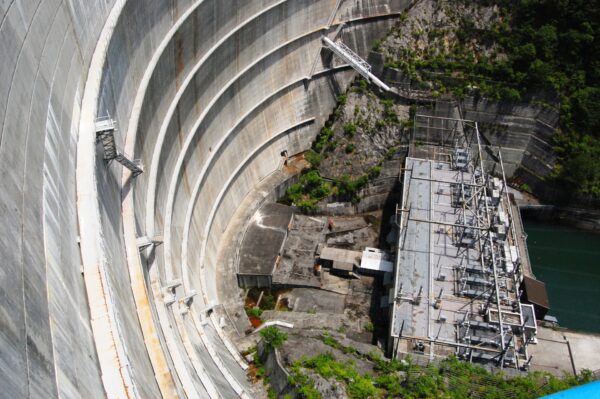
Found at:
[387, 216]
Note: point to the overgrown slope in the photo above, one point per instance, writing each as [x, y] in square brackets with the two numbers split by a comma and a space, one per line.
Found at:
[542, 50]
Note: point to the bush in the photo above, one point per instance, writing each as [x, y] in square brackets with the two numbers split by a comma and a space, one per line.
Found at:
[350, 129]
[320, 192]
[273, 337]
[267, 302]
[323, 139]
[294, 192]
[377, 45]
[362, 388]
[361, 86]
[349, 149]
[314, 158]
[348, 187]
[254, 293]
[374, 172]
[303, 383]
[311, 179]
[307, 205]
[525, 187]
[254, 312]
[332, 146]
[390, 153]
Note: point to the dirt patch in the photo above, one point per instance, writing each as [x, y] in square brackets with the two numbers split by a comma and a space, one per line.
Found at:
[255, 321]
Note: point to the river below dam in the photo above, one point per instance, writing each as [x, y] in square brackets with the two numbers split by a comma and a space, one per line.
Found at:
[568, 261]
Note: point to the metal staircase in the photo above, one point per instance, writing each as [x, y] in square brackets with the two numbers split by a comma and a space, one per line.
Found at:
[361, 66]
[105, 133]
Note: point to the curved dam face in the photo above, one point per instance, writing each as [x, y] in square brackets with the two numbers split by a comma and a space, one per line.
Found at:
[117, 284]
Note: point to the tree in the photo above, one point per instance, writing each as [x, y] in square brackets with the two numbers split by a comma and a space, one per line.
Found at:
[539, 72]
[586, 110]
[311, 179]
[526, 53]
[547, 41]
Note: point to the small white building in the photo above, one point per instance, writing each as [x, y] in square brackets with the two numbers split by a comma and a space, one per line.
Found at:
[376, 260]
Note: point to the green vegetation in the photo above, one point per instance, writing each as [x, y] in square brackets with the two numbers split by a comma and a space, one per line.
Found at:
[310, 189]
[254, 312]
[305, 386]
[347, 187]
[450, 378]
[374, 172]
[543, 47]
[334, 343]
[254, 293]
[273, 337]
[349, 129]
[314, 158]
[525, 187]
[390, 153]
[260, 367]
[268, 302]
[323, 139]
[390, 116]
[313, 186]
[360, 86]
[377, 45]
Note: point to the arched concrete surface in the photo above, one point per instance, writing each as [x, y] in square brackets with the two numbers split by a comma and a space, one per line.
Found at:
[206, 94]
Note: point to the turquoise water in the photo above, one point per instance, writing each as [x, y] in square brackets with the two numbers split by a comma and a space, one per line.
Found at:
[568, 261]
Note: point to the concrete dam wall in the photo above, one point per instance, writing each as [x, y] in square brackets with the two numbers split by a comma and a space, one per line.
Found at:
[110, 283]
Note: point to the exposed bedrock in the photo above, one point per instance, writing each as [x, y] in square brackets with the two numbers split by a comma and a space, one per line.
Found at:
[109, 283]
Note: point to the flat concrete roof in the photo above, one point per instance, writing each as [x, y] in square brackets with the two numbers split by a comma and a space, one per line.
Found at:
[298, 253]
[264, 239]
[341, 255]
[440, 281]
[346, 266]
[425, 253]
[377, 260]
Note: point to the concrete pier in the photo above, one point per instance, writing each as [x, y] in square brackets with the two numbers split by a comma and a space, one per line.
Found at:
[205, 95]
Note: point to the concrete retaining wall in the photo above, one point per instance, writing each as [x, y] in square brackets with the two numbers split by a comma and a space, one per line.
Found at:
[45, 334]
[206, 93]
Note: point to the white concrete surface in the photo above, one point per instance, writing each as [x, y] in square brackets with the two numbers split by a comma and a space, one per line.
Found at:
[206, 93]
